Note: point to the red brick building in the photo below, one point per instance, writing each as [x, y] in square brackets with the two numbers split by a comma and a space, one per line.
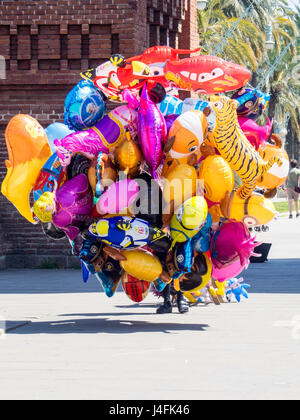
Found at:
[46, 44]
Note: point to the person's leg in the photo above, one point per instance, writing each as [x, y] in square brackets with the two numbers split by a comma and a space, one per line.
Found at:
[166, 307]
[297, 205]
[291, 208]
[182, 305]
[290, 201]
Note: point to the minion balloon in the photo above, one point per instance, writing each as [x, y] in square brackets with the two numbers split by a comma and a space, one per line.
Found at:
[188, 219]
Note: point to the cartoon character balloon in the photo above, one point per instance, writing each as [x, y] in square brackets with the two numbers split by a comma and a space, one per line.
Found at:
[84, 106]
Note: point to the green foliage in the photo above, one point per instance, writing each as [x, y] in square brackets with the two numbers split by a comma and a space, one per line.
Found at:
[246, 46]
[48, 265]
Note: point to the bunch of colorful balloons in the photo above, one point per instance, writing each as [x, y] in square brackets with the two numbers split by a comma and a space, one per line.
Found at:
[157, 190]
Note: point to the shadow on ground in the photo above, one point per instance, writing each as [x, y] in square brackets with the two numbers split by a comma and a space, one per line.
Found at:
[102, 325]
[274, 276]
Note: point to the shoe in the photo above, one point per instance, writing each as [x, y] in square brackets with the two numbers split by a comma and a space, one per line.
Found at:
[182, 305]
[297, 215]
[165, 308]
[291, 216]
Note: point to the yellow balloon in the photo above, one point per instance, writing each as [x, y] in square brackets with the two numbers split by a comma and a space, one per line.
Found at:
[217, 177]
[254, 211]
[28, 151]
[43, 207]
[277, 175]
[188, 219]
[180, 185]
[142, 265]
[128, 156]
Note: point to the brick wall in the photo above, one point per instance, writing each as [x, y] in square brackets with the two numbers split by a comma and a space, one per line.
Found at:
[46, 44]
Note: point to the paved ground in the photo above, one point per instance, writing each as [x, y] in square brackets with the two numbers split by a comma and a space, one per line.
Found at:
[65, 340]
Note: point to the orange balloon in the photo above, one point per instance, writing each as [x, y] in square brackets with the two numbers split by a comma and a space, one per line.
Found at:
[217, 176]
[128, 156]
[142, 265]
[277, 175]
[28, 151]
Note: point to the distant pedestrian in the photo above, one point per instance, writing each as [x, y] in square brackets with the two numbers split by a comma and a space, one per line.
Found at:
[292, 188]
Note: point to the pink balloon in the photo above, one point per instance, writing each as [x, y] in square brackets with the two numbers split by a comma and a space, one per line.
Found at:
[104, 137]
[118, 197]
[256, 134]
[227, 272]
[152, 132]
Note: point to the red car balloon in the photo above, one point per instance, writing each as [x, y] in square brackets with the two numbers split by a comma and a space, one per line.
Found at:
[206, 74]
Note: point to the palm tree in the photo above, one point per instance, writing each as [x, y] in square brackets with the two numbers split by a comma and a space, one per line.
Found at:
[284, 83]
[246, 43]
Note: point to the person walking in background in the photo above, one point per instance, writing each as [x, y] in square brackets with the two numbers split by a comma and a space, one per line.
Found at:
[292, 188]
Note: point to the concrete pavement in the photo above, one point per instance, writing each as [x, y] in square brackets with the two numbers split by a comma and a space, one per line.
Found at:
[66, 340]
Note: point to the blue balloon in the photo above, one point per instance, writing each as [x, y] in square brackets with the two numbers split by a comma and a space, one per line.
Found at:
[252, 102]
[84, 106]
[57, 131]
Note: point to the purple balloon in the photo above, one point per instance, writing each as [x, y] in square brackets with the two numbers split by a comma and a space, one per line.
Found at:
[170, 120]
[152, 132]
[74, 203]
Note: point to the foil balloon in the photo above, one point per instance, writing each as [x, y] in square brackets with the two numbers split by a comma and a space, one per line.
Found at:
[128, 156]
[130, 98]
[124, 232]
[187, 134]
[256, 210]
[118, 197]
[277, 175]
[206, 74]
[237, 288]
[256, 134]
[115, 76]
[84, 106]
[171, 107]
[170, 119]
[28, 150]
[198, 274]
[248, 102]
[73, 204]
[43, 207]
[104, 137]
[160, 54]
[51, 177]
[234, 147]
[232, 241]
[217, 176]
[252, 102]
[188, 219]
[180, 185]
[109, 286]
[228, 272]
[79, 165]
[143, 265]
[56, 130]
[137, 290]
[152, 131]
[102, 173]
[110, 276]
